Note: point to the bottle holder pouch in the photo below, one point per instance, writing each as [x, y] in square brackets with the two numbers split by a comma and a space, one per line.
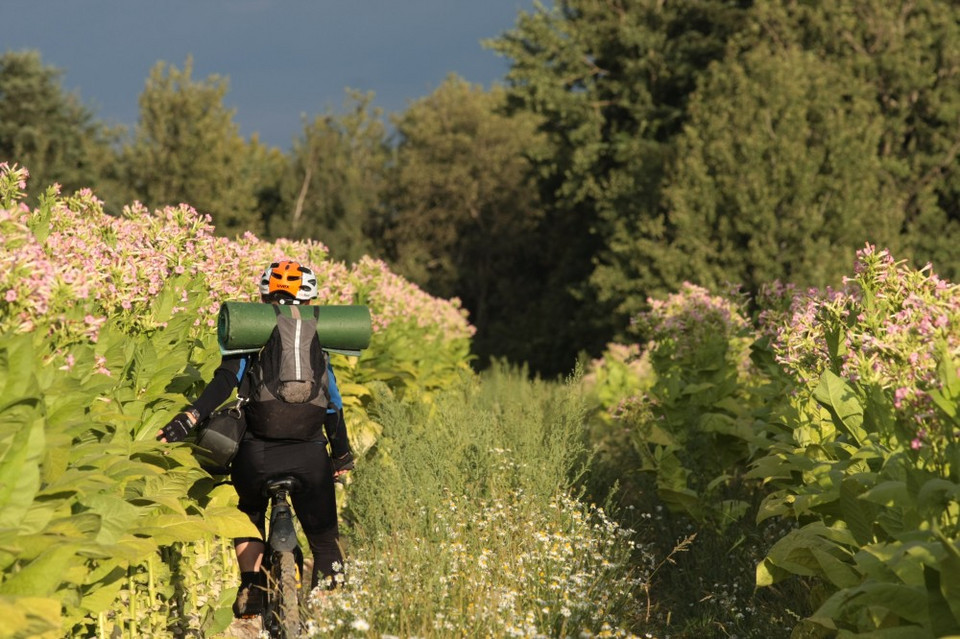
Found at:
[218, 438]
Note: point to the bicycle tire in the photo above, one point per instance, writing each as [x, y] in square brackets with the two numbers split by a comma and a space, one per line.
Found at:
[271, 611]
[288, 584]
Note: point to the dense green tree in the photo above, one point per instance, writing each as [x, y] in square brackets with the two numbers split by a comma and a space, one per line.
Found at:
[47, 130]
[188, 149]
[776, 177]
[465, 215]
[333, 188]
[909, 53]
[271, 168]
[611, 81]
[740, 141]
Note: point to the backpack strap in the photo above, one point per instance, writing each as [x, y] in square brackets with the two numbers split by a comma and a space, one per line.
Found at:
[243, 388]
[295, 311]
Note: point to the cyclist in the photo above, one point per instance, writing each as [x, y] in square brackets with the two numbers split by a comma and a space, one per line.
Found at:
[258, 458]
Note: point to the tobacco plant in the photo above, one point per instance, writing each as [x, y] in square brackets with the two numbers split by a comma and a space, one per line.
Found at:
[107, 329]
[698, 424]
[867, 457]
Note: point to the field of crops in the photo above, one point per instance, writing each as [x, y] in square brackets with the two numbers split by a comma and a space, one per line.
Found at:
[755, 468]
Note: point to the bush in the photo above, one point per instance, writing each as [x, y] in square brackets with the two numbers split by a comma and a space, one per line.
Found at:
[700, 423]
[867, 460]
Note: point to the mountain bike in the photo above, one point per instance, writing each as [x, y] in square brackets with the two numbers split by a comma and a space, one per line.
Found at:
[282, 562]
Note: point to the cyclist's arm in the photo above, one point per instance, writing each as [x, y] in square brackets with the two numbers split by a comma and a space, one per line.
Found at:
[335, 426]
[226, 378]
[335, 397]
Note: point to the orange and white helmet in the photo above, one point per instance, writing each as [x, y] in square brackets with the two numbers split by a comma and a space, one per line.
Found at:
[287, 280]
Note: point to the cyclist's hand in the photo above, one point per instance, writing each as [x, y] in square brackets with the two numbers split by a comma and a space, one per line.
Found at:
[177, 429]
[342, 465]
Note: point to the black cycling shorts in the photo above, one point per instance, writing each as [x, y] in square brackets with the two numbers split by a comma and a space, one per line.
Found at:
[315, 503]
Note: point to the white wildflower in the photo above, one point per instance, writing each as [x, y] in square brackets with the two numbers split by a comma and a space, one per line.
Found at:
[360, 624]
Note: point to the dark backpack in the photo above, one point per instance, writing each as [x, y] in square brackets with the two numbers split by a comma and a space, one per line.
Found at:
[289, 389]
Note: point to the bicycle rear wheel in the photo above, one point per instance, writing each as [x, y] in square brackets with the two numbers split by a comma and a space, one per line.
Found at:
[288, 585]
[281, 615]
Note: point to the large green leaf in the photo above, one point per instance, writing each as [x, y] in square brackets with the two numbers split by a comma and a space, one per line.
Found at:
[858, 514]
[725, 425]
[947, 395]
[10, 547]
[896, 632]
[116, 516]
[56, 459]
[43, 575]
[888, 493]
[220, 616]
[906, 602]
[935, 495]
[143, 364]
[942, 620]
[173, 503]
[835, 394]
[161, 375]
[78, 479]
[779, 505]
[950, 577]
[167, 529]
[20, 473]
[18, 363]
[802, 552]
[79, 526]
[228, 522]
[839, 573]
[768, 573]
[104, 593]
[41, 513]
[902, 560]
[220, 495]
[29, 618]
[128, 550]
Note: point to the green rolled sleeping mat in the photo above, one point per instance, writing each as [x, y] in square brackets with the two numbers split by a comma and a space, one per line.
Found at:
[244, 327]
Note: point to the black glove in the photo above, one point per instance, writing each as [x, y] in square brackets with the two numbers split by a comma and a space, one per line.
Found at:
[177, 429]
[343, 463]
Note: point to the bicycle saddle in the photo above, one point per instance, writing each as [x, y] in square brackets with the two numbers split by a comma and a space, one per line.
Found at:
[286, 484]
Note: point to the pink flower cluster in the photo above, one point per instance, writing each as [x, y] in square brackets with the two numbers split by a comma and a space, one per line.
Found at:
[69, 265]
[397, 298]
[790, 318]
[686, 320]
[888, 326]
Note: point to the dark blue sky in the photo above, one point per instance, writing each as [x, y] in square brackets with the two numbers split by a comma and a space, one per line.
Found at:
[284, 58]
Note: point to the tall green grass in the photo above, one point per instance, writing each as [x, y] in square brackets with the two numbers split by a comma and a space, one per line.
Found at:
[464, 521]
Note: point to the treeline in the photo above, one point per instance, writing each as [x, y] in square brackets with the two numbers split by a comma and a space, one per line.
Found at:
[634, 145]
